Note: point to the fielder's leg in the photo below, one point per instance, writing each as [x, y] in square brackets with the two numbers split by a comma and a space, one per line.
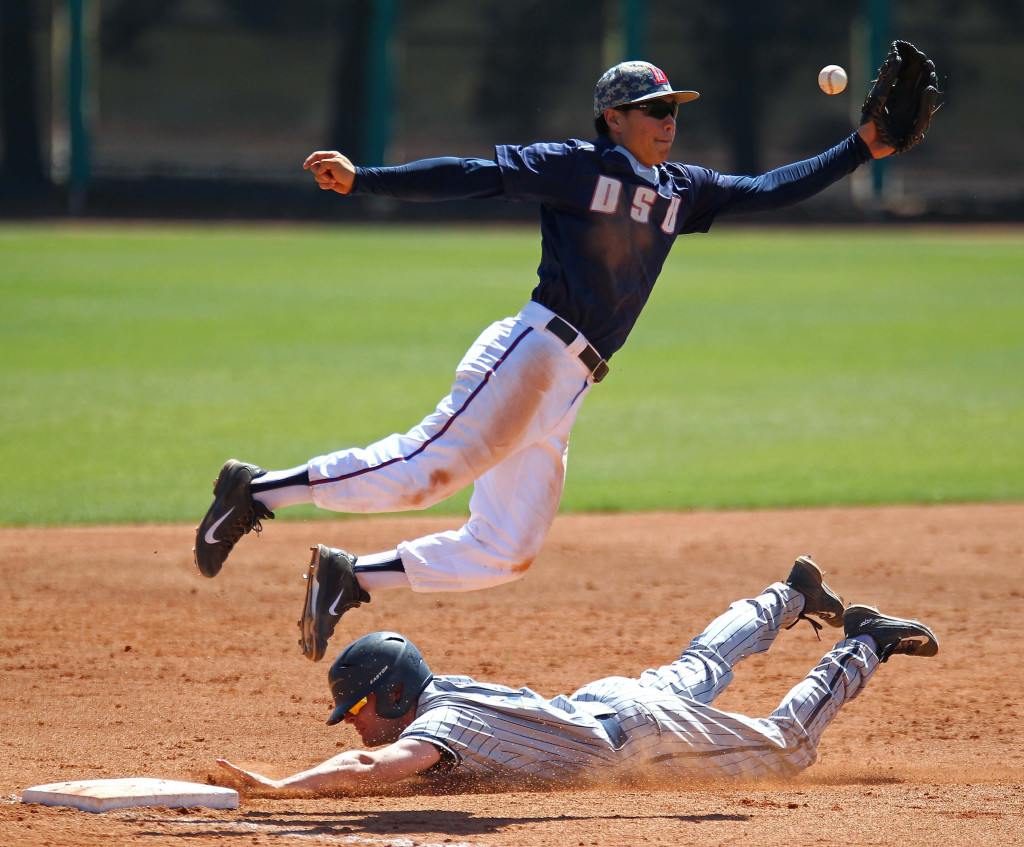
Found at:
[512, 388]
[511, 510]
[512, 410]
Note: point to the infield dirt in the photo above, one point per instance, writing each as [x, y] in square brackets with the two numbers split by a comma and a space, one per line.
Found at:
[119, 660]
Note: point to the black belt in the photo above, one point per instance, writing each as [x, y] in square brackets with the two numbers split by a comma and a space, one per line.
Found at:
[564, 331]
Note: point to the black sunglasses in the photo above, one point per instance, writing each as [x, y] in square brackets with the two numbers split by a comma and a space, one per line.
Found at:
[657, 109]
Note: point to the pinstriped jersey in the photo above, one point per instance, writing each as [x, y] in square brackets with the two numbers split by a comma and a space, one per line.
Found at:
[498, 731]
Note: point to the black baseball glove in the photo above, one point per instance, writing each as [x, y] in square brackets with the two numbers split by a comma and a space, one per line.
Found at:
[901, 101]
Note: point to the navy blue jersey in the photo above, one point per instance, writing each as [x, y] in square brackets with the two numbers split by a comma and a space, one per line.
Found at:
[607, 222]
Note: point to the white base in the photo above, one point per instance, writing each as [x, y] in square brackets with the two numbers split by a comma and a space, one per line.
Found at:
[102, 795]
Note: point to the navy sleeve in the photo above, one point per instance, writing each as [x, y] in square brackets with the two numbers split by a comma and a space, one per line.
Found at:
[445, 178]
[718, 194]
[540, 173]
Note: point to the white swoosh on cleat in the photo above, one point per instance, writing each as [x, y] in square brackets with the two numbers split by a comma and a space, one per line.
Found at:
[210, 537]
[334, 606]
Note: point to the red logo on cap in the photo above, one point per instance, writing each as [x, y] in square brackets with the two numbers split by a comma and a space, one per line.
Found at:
[659, 76]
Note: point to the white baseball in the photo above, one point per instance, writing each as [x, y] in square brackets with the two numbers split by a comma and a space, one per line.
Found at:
[832, 79]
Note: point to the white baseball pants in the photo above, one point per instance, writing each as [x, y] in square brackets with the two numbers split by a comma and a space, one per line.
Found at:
[504, 428]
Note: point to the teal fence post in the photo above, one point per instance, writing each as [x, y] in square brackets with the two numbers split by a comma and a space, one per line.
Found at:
[77, 82]
[380, 81]
[879, 14]
[634, 29]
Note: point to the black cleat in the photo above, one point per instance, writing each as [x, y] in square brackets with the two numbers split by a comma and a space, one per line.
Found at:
[232, 514]
[331, 590]
[892, 635]
[819, 600]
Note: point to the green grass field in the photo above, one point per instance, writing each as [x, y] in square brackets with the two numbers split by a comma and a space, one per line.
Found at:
[772, 367]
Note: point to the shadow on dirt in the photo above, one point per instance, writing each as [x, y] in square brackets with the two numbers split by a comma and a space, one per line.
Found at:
[390, 822]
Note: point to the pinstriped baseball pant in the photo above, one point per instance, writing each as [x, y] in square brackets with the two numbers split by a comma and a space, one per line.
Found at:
[671, 726]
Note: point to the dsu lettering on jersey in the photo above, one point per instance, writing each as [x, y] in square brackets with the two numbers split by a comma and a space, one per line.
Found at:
[606, 197]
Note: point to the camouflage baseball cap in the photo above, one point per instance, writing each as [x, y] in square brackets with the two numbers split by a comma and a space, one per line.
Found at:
[634, 82]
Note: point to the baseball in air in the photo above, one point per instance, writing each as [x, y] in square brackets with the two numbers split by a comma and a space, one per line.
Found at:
[832, 79]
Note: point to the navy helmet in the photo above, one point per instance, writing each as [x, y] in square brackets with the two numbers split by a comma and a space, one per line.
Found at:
[377, 664]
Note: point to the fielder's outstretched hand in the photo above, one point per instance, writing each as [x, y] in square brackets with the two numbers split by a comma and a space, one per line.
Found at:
[332, 170]
[879, 149]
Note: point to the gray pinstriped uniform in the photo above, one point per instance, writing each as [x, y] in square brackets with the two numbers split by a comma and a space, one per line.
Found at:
[660, 724]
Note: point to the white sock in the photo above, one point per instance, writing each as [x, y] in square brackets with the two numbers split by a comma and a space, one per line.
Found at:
[275, 498]
[373, 572]
[378, 580]
[289, 495]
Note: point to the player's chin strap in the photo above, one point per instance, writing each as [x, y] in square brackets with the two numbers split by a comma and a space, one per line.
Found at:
[802, 617]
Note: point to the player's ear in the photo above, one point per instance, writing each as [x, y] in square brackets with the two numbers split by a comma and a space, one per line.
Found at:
[396, 695]
[613, 117]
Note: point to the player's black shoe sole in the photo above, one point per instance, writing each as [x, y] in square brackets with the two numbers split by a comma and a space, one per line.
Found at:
[892, 635]
[819, 600]
[331, 590]
[232, 514]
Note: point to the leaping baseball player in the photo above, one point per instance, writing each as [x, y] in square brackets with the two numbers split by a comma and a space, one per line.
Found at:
[662, 724]
[610, 210]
